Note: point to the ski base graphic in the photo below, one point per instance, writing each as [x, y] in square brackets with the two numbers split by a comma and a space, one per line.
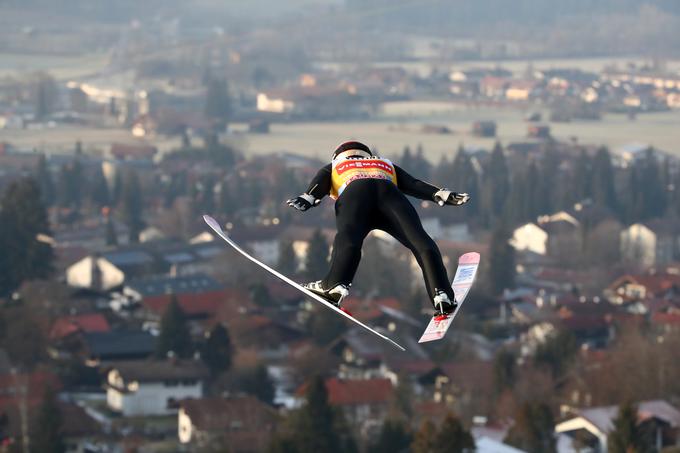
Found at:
[462, 282]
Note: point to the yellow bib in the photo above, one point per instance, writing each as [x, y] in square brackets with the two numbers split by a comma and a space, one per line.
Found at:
[344, 171]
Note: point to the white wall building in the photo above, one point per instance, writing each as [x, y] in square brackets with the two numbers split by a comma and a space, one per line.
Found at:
[638, 245]
[273, 104]
[93, 272]
[153, 387]
[598, 422]
[530, 238]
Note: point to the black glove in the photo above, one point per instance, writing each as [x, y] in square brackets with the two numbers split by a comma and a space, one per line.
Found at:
[303, 202]
[445, 196]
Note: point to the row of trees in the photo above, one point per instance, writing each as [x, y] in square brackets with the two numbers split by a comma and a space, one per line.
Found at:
[646, 189]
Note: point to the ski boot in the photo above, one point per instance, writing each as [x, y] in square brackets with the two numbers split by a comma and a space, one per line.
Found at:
[334, 296]
[443, 305]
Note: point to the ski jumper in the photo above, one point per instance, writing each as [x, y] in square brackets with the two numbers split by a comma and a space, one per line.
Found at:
[369, 195]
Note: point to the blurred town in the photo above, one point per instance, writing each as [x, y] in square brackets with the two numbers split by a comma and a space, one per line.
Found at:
[126, 326]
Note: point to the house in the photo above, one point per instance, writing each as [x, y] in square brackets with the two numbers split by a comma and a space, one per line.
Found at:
[593, 425]
[465, 386]
[97, 347]
[530, 238]
[538, 131]
[198, 295]
[484, 128]
[362, 356]
[520, 90]
[153, 387]
[109, 270]
[647, 245]
[364, 402]
[243, 424]
[81, 432]
[262, 240]
[66, 326]
[631, 288]
[493, 87]
[270, 337]
[273, 102]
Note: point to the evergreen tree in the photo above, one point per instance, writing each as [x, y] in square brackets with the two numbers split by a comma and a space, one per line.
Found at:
[46, 432]
[174, 332]
[287, 263]
[604, 192]
[68, 186]
[517, 206]
[325, 326]
[651, 202]
[99, 190]
[442, 172]
[406, 159]
[256, 381]
[394, 437]
[282, 444]
[218, 102]
[627, 436]
[45, 96]
[534, 196]
[316, 261]
[504, 370]
[315, 424]
[111, 235]
[496, 185]
[217, 350]
[453, 437]
[533, 429]
[582, 178]
[404, 396]
[549, 179]
[132, 207]
[464, 178]
[421, 168]
[259, 294]
[501, 270]
[44, 178]
[557, 352]
[425, 440]
[23, 219]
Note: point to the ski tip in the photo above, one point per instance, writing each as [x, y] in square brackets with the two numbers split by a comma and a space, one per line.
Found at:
[469, 258]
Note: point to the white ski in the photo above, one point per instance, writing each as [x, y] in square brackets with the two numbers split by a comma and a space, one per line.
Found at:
[462, 282]
[212, 223]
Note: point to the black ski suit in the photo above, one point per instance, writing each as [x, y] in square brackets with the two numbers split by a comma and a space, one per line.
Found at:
[369, 204]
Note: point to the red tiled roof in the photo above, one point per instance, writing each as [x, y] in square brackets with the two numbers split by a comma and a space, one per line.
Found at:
[666, 318]
[66, 325]
[366, 391]
[584, 322]
[355, 391]
[206, 303]
[216, 414]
